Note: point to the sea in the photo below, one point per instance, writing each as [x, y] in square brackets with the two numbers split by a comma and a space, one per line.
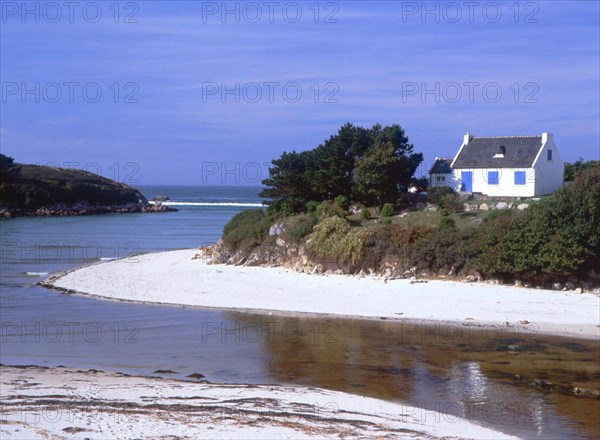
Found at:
[467, 378]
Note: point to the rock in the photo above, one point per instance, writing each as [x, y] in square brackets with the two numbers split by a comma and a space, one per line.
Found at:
[557, 286]
[579, 290]
[522, 206]
[467, 207]
[276, 229]
[570, 285]
[518, 283]
[354, 209]
[502, 205]
[484, 207]
[280, 242]
[470, 279]
[511, 205]
[477, 221]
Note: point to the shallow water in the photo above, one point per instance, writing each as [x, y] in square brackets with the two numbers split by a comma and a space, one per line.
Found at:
[512, 380]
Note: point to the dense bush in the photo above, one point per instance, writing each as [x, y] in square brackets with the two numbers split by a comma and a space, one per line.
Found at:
[334, 241]
[451, 203]
[247, 229]
[298, 227]
[311, 207]
[387, 210]
[550, 241]
[342, 202]
[445, 249]
[329, 209]
[435, 195]
[446, 222]
[365, 213]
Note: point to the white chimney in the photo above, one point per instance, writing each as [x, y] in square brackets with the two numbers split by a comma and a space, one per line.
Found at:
[467, 138]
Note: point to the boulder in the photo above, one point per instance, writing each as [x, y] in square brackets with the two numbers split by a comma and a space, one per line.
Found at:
[484, 207]
[522, 206]
[502, 205]
[276, 229]
[354, 209]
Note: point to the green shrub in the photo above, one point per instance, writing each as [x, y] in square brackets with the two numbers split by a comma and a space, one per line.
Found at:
[330, 209]
[447, 222]
[444, 249]
[247, 229]
[298, 227]
[451, 203]
[311, 207]
[334, 241]
[365, 213]
[342, 202]
[387, 210]
[553, 239]
[435, 195]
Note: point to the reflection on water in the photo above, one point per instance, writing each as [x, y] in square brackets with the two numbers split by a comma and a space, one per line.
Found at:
[519, 382]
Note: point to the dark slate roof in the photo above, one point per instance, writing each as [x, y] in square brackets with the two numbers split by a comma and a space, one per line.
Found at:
[441, 166]
[479, 152]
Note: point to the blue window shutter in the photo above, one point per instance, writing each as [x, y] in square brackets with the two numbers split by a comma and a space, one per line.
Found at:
[520, 178]
[493, 178]
[549, 154]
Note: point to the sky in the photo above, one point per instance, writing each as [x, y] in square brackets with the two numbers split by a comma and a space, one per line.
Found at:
[192, 93]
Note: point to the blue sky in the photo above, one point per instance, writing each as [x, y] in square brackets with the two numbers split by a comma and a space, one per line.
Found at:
[434, 68]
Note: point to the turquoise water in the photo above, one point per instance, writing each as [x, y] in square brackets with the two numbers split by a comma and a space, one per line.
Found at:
[43, 327]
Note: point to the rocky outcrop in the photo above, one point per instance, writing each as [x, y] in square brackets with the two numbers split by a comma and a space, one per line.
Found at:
[60, 210]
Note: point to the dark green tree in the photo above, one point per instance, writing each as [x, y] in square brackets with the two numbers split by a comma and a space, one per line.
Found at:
[331, 169]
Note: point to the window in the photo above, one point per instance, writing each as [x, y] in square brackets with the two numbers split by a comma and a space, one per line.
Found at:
[441, 178]
[493, 178]
[520, 178]
[549, 154]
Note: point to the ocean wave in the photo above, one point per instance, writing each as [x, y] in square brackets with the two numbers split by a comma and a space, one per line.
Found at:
[36, 274]
[107, 258]
[235, 204]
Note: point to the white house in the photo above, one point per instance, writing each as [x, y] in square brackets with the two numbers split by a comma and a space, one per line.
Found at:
[507, 166]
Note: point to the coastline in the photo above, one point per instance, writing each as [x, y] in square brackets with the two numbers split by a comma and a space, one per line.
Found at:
[175, 278]
[84, 209]
[50, 402]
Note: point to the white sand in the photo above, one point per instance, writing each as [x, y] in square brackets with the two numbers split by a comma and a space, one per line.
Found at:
[175, 278]
[61, 403]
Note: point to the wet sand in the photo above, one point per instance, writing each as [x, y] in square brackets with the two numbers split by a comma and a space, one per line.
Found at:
[66, 403]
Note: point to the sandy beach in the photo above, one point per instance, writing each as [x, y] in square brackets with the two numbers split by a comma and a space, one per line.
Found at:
[64, 403]
[176, 278]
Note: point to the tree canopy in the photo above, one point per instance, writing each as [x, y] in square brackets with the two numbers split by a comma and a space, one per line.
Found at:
[367, 165]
